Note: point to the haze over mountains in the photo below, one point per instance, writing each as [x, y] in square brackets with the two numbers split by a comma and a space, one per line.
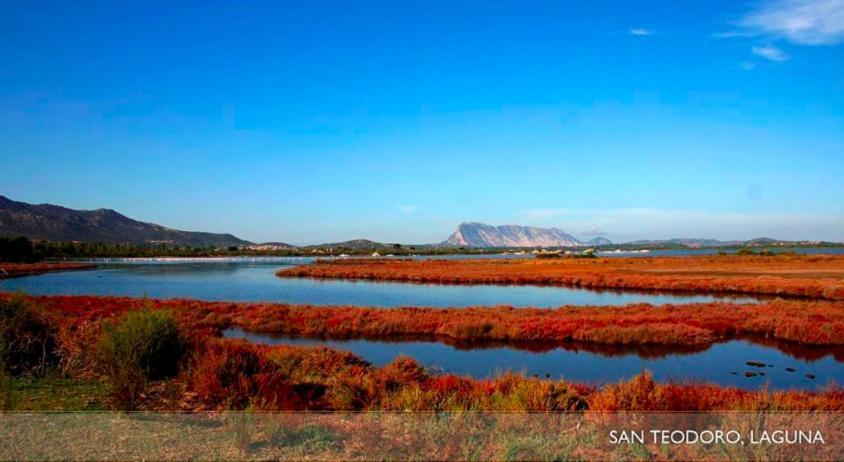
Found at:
[56, 223]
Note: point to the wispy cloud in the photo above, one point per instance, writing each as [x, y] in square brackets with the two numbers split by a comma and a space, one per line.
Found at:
[640, 31]
[804, 22]
[747, 65]
[731, 34]
[770, 52]
[407, 209]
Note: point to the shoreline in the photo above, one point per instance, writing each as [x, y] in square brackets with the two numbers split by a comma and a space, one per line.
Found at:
[285, 377]
[12, 270]
[809, 323]
[812, 277]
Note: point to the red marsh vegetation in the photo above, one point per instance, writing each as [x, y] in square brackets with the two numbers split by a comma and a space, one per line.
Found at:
[99, 338]
[811, 322]
[26, 269]
[814, 276]
[234, 374]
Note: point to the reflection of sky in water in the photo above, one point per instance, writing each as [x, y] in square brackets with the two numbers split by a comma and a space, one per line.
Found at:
[713, 364]
[257, 282]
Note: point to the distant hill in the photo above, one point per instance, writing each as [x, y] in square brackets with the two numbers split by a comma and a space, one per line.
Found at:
[699, 243]
[688, 242]
[482, 235]
[599, 241]
[272, 246]
[355, 244]
[55, 223]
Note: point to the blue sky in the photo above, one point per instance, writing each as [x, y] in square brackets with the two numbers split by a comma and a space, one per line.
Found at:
[316, 121]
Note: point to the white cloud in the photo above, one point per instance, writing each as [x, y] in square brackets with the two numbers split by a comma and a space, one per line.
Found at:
[805, 22]
[770, 52]
[747, 65]
[640, 31]
[407, 209]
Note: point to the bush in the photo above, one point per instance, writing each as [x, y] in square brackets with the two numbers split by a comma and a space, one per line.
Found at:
[548, 255]
[224, 373]
[238, 375]
[140, 346]
[17, 249]
[28, 339]
[761, 253]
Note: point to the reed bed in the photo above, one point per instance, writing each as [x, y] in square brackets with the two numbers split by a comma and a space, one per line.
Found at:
[810, 322]
[819, 276]
[220, 374]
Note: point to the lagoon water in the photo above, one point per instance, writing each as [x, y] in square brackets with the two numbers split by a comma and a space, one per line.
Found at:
[255, 280]
[722, 363]
[251, 280]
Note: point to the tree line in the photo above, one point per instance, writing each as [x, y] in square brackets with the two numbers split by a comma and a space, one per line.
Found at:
[17, 250]
[22, 250]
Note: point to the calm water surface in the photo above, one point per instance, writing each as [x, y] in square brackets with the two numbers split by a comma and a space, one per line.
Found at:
[722, 363]
[255, 280]
[247, 280]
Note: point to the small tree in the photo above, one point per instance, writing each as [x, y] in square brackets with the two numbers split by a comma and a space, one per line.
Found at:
[16, 249]
[141, 346]
[28, 338]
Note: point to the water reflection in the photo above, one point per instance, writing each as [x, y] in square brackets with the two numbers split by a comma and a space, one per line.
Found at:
[252, 282]
[786, 365]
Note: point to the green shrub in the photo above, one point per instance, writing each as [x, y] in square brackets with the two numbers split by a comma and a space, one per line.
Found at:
[28, 339]
[762, 253]
[548, 255]
[140, 346]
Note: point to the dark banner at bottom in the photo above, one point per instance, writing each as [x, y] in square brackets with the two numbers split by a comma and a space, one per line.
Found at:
[413, 436]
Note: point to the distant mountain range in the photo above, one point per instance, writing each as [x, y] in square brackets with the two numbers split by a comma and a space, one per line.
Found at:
[695, 243]
[55, 223]
[482, 235]
[354, 244]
